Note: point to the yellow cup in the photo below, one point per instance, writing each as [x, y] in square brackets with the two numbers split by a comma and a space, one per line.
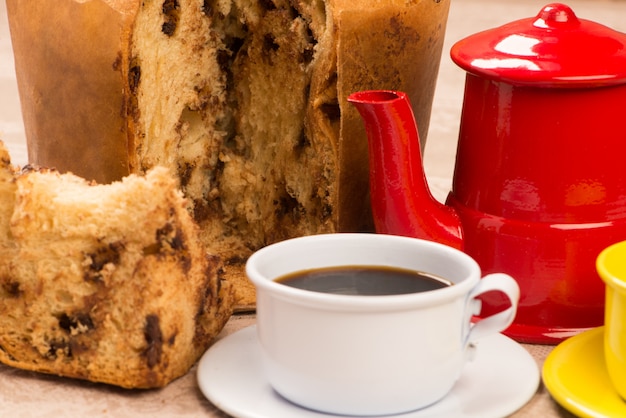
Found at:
[611, 265]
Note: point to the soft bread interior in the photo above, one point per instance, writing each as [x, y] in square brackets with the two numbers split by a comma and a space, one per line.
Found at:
[229, 115]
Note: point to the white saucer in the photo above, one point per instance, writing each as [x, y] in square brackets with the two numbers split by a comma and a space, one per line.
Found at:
[501, 379]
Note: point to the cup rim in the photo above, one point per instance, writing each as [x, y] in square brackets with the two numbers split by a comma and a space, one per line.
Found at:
[356, 302]
[607, 257]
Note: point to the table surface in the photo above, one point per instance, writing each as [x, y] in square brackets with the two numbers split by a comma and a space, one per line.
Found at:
[27, 394]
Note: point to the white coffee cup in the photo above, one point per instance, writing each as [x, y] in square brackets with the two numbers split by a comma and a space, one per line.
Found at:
[370, 355]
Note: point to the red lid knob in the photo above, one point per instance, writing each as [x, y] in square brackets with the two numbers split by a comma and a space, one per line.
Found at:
[556, 16]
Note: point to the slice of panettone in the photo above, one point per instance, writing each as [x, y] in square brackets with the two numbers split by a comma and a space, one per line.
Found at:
[107, 283]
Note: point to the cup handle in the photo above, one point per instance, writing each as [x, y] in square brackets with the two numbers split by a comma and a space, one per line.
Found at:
[500, 321]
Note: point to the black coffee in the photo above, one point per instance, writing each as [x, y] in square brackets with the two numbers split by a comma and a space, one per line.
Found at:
[364, 280]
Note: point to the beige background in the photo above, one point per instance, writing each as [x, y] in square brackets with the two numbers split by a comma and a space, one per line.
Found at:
[24, 394]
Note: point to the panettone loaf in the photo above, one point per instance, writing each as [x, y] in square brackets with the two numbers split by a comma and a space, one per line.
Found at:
[244, 100]
[107, 283]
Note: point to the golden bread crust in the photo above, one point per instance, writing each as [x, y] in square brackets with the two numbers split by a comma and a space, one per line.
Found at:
[69, 59]
[400, 50]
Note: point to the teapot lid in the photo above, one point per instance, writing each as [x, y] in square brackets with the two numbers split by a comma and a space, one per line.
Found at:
[553, 49]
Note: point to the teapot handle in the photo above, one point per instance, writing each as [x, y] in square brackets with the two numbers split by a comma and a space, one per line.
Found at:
[497, 322]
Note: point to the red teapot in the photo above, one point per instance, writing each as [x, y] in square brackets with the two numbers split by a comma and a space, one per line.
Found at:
[539, 185]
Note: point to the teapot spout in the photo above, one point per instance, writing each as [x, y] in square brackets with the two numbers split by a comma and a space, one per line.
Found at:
[402, 203]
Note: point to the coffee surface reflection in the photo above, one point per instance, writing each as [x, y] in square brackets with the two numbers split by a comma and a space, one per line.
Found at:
[363, 280]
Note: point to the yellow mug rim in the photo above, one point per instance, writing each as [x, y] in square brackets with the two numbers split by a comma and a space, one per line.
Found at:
[611, 265]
